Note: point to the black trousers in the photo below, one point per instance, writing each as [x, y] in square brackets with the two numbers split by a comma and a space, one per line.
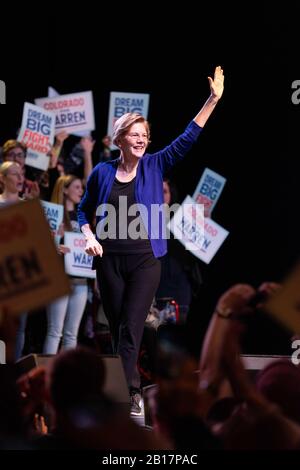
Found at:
[127, 284]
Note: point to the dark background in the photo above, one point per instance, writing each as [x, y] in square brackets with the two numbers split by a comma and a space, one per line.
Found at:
[251, 139]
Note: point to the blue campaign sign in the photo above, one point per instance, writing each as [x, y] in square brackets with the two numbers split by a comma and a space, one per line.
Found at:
[209, 189]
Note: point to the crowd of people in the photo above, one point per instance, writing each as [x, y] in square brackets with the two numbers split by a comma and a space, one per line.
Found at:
[207, 403]
[18, 183]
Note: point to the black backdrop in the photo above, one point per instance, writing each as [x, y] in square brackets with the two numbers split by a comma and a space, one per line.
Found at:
[251, 139]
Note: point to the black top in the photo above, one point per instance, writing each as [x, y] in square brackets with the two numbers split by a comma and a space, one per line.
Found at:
[127, 235]
[74, 221]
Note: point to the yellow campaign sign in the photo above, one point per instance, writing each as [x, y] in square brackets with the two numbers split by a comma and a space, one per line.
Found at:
[31, 271]
[285, 303]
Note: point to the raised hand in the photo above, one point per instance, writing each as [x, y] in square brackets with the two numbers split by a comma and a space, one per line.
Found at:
[61, 137]
[216, 90]
[236, 300]
[87, 143]
[217, 83]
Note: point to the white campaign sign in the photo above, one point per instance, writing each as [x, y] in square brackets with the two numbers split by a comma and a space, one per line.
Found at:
[32, 274]
[37, 133]
[209, 189]
[77, 262]
[284, 303]
[202, 237]
[74, 112]
[52, 93]
[121, 103]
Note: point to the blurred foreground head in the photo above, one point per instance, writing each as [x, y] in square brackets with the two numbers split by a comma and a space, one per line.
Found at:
[279, 382]
[76, 376]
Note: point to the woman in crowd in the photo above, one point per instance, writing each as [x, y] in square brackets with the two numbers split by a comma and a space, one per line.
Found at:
[11, 183]
[64, 315]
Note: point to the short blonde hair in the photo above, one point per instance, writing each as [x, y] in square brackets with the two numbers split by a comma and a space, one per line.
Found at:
[123, 124]
[6, 166]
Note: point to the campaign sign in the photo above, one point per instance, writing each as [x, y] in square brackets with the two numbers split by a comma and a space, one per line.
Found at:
[54, 213]
[31, 271]
[73, 112]
[284, 304]
[37, 133]
[201, 236]
[209, 190]
[121, 103]
[77, 262]
[187, 225]
[53, 93]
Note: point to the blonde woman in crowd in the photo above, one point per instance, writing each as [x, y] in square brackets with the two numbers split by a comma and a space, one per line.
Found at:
[11, 183]
[65, 314]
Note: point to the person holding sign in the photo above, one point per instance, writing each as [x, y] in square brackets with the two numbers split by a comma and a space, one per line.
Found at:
[64, 315]
[127, 262]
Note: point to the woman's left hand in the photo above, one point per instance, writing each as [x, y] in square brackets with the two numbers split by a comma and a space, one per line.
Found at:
[217, 84]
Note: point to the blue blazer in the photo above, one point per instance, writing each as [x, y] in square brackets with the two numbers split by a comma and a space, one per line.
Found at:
[148, 186]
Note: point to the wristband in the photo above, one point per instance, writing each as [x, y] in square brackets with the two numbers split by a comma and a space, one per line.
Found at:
[227, 313]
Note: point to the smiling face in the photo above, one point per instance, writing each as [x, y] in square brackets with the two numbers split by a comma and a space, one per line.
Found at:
[74, 191]
[13, 179]
[134, 142]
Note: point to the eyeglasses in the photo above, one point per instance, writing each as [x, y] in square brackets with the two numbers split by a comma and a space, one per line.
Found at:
[16, 155]
[136, 136]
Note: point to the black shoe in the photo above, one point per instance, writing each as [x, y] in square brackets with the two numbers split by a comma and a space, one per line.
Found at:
[135, 404]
